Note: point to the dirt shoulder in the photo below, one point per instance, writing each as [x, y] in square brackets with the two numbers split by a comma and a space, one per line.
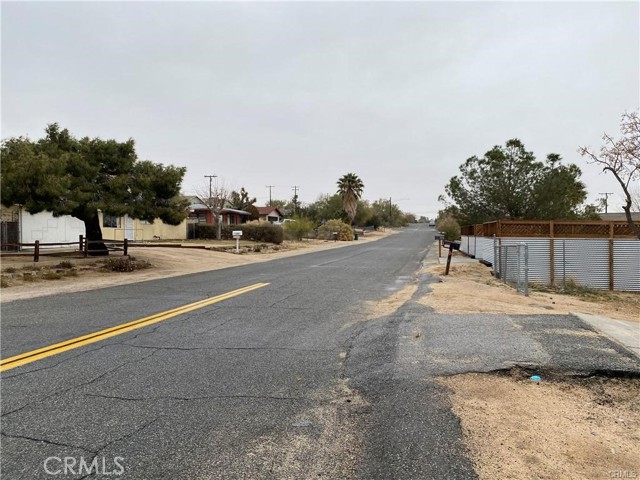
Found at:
[470, 288]
[557, 428]
[165, 262]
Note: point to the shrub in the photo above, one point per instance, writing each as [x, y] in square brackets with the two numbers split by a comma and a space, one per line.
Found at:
[205, 231]
[125, 264]
[65, 264]
[450, 227]
[10, 270]
[296, 230]
[257, 232]
[345, 232]
[51, 276]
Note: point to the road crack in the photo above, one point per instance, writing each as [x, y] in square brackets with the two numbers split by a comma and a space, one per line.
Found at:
[73, 387]
[48, 442]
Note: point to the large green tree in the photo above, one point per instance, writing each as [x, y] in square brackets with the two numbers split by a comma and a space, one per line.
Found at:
[508, 182]
[326, 207]
[68, 176]
[350, 189]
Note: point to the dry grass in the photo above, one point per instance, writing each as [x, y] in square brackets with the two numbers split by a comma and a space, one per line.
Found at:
[470, 288]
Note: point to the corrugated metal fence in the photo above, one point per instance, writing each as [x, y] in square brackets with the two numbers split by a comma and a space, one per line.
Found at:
[605, 264]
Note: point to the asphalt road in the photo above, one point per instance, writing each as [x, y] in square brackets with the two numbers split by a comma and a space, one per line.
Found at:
[298, 379]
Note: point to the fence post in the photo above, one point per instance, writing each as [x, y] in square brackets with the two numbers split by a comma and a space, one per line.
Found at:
[564, 265]
[526, 270]
[506, 265]
[552, 260]
[36, 252]
[126, 247]
[80, 241]
[611, 264]
[85, 248]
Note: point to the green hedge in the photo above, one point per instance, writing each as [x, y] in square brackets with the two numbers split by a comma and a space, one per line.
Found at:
[257, 232]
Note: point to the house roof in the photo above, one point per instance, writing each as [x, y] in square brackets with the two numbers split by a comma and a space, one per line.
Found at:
[619, 217]
[233, 210]
[268, 210]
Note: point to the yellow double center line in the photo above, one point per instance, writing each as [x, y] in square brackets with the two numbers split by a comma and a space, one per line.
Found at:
[39, 354]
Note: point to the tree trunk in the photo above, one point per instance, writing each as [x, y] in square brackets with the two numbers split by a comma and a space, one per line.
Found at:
[627, 210]
[219, 225]
[93, 232]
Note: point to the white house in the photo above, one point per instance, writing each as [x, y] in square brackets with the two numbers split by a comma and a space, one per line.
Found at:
[270, 214]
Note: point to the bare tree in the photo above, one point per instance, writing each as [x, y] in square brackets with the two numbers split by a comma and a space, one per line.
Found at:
[622, 158]
[214, 196]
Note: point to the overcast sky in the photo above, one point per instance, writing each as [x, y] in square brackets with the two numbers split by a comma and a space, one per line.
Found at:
[301, 93]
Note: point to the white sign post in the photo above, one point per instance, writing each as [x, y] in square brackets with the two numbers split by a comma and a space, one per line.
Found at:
[237, 234]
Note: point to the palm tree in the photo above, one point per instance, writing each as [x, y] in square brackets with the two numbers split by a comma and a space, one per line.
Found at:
[350, 190]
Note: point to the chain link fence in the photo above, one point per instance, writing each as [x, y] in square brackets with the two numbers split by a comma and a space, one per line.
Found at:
[512, 266]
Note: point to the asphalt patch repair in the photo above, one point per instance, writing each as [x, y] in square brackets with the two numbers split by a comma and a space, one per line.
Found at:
[563, 426]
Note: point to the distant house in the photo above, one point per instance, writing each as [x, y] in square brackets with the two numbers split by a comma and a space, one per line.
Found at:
[270, 214]
[199, 213]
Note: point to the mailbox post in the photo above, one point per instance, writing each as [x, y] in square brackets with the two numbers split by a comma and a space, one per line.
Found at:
[439, 238]
[452, 246]
[237, 234]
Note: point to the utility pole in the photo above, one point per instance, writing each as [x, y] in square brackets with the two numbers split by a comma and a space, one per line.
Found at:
[606, 200]
[295, 198]
[210, 177]
[213, 208]
[270, 187]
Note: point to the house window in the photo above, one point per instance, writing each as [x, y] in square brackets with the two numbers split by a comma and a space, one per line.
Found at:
[198, 217]
[272, 219]
[111, 221]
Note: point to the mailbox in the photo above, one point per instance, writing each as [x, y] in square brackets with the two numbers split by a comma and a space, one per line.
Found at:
[236, 233]
[439, 236]
[455, 245]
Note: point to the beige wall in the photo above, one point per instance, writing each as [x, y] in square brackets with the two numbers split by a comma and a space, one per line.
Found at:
[139, 231]
[160, 229]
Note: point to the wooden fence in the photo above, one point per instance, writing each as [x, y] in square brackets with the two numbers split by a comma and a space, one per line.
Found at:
[550, 229]
[82, 246]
